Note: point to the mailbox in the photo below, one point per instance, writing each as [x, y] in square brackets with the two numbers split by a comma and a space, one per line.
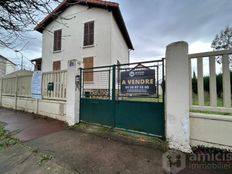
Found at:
[87, 94]
[50, 86]
[77, 81]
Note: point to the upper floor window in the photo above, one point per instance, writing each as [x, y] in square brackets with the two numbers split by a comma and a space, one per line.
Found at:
[57, 40]
[89, 33]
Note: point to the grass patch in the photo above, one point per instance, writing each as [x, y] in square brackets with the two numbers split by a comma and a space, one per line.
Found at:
[207, 103]
[6, 139]
[129, 137]
[142, 99]
[45, 158]
[207, 100]
[211, 112]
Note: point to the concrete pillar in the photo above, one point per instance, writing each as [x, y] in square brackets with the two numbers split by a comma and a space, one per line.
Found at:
[72, 104]
[177, 96]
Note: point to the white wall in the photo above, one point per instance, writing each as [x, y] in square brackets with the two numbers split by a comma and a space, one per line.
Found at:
[10, 68]
[72, 40]
[211, 130]
[2, 67]
[119, 49]
[49, 108]
[6, 67]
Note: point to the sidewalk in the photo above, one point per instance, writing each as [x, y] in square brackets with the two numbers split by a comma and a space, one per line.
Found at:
[76, 150]
[79, 151]
[28, 126]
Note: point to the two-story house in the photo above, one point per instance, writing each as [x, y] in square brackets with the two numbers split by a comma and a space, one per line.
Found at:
[91, 31]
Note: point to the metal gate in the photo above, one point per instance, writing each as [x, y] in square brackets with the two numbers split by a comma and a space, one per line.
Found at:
[125, 96]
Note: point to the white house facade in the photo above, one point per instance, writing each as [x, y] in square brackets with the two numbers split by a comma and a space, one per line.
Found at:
[90, 31]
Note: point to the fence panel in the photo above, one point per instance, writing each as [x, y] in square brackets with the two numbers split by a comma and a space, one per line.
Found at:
[8, 86]
[58, 81]
[200, 81]
[219, 89]
[226, 81]
[24, 86]
[213, 82]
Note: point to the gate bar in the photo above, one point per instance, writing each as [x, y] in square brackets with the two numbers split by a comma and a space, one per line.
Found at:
[99, 67]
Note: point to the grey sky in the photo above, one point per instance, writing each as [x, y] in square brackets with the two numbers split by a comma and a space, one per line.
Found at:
[153, 24]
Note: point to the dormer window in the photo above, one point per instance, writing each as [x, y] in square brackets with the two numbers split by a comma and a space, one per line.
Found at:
[57, 40]
[89, 33]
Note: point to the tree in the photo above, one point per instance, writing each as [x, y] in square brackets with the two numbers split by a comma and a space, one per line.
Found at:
[194, 83]
[18, 17]
[223, 41]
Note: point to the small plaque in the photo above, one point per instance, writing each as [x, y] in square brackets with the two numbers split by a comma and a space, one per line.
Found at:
[72, 63]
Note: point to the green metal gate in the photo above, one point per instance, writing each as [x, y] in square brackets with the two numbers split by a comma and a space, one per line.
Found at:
[125, 96]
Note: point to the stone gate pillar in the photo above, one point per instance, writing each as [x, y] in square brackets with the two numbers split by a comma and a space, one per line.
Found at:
[177, 96]
[72, 101]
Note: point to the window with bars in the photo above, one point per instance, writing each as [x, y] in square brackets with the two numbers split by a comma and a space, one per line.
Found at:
[88, 74]
[57, 40]
[89, 33]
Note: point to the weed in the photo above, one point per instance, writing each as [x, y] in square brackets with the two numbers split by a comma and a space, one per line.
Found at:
[6, 140]
[45, 158]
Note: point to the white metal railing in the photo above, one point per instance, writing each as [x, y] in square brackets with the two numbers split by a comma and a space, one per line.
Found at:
[212, 56]
[59, 81]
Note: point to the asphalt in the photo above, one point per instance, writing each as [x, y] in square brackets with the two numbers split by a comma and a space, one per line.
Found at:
[76, 150]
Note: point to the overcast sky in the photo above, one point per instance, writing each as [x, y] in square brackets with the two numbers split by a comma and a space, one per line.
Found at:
[153, 24]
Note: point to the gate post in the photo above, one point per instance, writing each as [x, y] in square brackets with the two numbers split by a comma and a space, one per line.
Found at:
[72, 101]
[177, 96]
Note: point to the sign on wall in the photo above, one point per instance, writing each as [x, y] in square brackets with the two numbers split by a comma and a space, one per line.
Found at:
[36, 85]
[138, 81]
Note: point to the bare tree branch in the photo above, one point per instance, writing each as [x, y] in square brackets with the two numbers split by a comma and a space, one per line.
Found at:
[20, 16]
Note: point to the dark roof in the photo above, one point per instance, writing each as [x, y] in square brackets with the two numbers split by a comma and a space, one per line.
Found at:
[36, 59]
[111, 6]
[2, 57]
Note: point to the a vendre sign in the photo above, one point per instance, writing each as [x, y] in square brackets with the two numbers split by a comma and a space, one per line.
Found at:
[138, 81]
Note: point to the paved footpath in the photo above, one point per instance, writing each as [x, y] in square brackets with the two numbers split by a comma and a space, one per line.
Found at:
[75, 151]
[29, 126]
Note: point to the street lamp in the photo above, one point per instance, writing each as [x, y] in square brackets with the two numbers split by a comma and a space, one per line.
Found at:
[17, 51]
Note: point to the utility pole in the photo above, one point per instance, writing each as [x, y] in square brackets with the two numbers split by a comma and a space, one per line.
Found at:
[17, 51]
[22, 63]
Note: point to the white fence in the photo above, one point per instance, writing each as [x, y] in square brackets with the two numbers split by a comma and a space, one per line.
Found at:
[210, 120]
[213, 96]
[59, 80]
[15, 93]
[20, 85]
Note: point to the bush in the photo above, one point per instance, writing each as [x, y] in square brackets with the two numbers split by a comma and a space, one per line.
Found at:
[219, 81]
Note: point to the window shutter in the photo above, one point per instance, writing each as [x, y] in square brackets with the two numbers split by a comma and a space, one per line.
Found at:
[86, 34]
[88, 74]
[57, 40]
[56, 66]
[89, 33]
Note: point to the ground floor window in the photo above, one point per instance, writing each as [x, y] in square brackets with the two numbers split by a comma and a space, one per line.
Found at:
[88, 63]
[56, 66]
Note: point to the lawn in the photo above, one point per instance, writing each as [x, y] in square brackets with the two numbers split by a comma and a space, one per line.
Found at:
[207, 100]
[207, 103]
[142, 99]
